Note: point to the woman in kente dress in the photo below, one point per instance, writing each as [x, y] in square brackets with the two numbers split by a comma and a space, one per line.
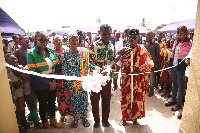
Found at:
[74, 63]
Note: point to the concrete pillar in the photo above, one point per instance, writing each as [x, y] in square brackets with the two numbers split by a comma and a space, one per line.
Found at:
[190, 122]
[8, 121]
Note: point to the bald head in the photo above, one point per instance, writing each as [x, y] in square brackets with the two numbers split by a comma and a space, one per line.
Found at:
[150, 36]
[151, 32]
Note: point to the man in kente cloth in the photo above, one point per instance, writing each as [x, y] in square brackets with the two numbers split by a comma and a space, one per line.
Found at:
[137, 56]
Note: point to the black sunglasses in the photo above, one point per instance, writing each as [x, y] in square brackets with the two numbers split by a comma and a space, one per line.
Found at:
[43, 40]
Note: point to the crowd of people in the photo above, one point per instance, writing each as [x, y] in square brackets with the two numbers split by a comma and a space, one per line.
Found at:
[79, 54]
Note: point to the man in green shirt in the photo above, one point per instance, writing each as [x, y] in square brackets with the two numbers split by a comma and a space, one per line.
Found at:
[101, 54]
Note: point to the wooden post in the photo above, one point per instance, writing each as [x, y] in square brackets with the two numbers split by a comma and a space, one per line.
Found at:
[190, 122]
[8, 121]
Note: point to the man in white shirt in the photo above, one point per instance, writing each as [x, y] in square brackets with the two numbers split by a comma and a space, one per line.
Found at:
[118, 45]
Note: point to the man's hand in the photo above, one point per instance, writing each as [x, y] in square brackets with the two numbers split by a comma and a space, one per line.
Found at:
[52, 85]
[117, 58]
[123, 50]
[102, 71]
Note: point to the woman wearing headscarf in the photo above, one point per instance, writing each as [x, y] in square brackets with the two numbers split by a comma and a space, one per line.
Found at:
[180, 50]
[74, 63]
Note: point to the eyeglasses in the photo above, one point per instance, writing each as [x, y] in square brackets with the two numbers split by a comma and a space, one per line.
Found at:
[43, 40]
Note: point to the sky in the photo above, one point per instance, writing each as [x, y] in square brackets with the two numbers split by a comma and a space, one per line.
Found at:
[40, 15]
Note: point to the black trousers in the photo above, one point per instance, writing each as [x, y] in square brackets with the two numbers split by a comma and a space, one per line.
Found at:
[106, 97]
[46, 100]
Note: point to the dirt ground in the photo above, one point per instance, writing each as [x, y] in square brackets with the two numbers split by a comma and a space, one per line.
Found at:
[158, 118]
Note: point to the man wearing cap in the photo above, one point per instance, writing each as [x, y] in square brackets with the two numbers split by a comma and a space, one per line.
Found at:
[154, 49]
[101, 55]
[135, 60]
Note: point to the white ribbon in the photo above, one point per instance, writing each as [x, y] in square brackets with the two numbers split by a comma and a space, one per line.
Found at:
[154, 71]
[89, 83]
[131, 79]
[142, 73]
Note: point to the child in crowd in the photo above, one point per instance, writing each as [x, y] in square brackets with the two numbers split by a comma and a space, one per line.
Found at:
[18, 80]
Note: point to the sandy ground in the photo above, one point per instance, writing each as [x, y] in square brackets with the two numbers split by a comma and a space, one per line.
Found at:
[158, 118]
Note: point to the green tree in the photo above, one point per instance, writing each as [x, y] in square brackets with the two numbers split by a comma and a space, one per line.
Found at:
[160, 26]
[66, 26]
[48, 30]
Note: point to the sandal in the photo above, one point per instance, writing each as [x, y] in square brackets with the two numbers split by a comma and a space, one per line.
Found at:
[86, 123]
[122, 122]
[74, 124]
[136, 122]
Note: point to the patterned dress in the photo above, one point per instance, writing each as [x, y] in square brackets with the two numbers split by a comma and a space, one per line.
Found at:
[142, 63]
[79, 99]
[63, 94]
